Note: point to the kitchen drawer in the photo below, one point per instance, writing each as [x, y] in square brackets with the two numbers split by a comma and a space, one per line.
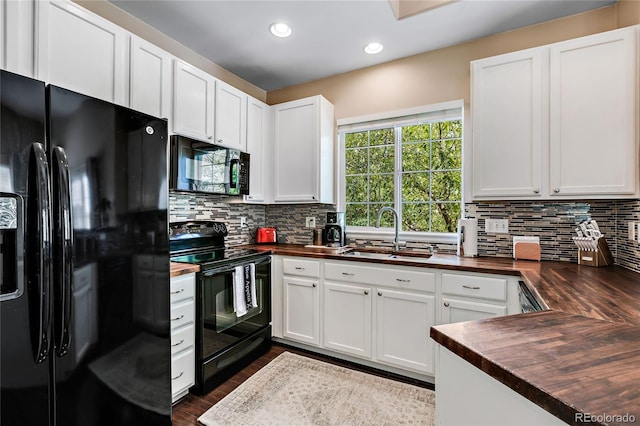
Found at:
[475, 286]
[392, 277]
[182, 288]
[182, 338]
[182, 371]
[181, 314]
[301, 267]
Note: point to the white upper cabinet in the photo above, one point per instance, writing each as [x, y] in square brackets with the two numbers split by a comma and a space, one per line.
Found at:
[304, 147]
[259, 147]
[593, 113]
[507, 109]
[193, 102]
[558, 121]
[80, 51]
[150, 79]
[230, 117]
[17, 36]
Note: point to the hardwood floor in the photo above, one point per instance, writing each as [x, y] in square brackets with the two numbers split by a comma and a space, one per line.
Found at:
[188, 409]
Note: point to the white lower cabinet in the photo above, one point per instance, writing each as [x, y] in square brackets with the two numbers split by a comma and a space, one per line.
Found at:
[301, 293]
[380, 314]
[470, 296]
[402, 333]
[301, 310]
[347, 319]
[182, 317]
[456, 310]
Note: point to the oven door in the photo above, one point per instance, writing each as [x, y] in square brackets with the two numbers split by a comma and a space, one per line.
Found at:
[220, 327]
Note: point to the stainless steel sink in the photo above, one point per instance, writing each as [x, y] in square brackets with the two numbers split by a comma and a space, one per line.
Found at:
[420, 259]
[386, 256]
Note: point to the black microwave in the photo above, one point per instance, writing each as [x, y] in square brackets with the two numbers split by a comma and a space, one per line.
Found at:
[203, 167]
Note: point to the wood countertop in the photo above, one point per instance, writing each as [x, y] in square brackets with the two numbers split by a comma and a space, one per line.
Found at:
[564, 363]
[178, 269]
[580, 356]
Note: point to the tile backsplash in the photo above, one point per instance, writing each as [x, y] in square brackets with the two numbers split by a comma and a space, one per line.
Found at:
[553, 222]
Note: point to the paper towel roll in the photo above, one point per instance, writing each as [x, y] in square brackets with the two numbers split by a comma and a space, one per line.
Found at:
[468, 237]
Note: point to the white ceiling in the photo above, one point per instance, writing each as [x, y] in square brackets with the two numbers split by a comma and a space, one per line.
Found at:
[329, 35]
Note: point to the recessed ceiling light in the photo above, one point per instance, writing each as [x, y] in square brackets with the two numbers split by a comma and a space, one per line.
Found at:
[373, 48]
[280, 29]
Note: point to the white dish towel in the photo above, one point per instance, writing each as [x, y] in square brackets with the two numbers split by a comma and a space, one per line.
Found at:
[244, 289]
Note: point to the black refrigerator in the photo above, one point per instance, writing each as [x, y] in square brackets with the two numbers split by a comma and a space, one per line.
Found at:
[84, 260]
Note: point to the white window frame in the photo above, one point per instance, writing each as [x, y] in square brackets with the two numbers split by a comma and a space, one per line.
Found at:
[390, 119]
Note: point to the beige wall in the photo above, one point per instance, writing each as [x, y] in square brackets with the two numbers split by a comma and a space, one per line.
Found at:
[444, 74]
[142, 30]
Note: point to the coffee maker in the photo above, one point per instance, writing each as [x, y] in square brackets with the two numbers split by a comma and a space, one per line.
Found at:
[334, 230]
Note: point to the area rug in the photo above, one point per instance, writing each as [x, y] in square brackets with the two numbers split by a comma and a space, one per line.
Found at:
[296, 390]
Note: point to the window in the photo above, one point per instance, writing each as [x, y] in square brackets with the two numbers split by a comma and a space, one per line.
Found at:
[412, 163]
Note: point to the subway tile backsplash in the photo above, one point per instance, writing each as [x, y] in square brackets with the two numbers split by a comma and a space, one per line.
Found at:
[553, 222]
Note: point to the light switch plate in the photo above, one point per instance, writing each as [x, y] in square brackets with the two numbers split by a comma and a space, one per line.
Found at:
[496, 226]
[310, 222]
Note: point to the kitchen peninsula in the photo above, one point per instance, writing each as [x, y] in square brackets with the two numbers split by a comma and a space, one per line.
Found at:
[578, 360]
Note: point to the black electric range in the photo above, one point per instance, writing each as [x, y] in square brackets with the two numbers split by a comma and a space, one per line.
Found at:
[228, 335]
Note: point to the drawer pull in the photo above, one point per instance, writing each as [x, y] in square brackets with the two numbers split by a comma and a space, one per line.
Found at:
[299, 268]
[179, 343]
[178, 376]
[179, 318]
[178, 292]
[400, 280]
[470, 287]
[446, 304]
[348, 274]
[379, 293]
[314, 285]
[366, 292]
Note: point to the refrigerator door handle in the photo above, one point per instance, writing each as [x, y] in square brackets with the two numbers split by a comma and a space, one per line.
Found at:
[39, 254]
[63, 251]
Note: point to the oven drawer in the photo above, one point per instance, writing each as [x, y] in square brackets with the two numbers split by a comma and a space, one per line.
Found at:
[302, 268]
[182, 339]
[181, 314]
[182, 287]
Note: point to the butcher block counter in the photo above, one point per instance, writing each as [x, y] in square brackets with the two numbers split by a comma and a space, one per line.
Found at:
[178, 269]
[579, 360]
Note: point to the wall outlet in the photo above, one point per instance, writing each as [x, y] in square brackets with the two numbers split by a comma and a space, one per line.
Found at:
[311, 222]
[632, 231]
[243, 222]
[496, 226]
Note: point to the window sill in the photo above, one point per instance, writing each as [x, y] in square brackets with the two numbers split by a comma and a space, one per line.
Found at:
[388, 234]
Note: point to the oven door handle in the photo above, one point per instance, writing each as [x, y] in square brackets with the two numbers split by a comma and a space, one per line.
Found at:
[232, 267]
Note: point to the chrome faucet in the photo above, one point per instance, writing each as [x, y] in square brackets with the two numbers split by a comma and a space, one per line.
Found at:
[396, 223]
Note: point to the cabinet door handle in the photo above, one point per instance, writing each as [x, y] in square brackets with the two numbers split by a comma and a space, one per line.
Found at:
[446, 304]
[314, 285]
[178, 376]
[348, 274]
[379, 293]
[210, 137]
[179, 343]
[470, 287]
[400, 280]
[536, 191]
[366, 292]
[178, 292]
[219, 140]
[179, 318]
[556, 190]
